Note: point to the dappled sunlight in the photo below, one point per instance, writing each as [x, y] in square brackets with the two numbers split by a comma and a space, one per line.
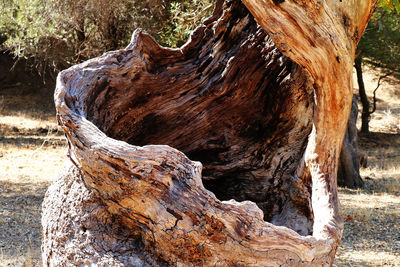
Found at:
[371, 236]
[388, 92]
[365, 258]
[23, 122]
[364, 200]
[32, 153]
[386, 166]
[372, 214]
[382, 173]
[30, 149]
[386, 118]
[31, 165]
[20, 214]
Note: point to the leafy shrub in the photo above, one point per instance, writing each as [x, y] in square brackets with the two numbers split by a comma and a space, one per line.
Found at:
[379, 44]
[184, 17]
[57, 34]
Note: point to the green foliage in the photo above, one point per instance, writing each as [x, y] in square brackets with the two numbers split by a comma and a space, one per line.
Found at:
[380, 42]
[185, 16]
[29, 32]
[57, 34]
[389, 6]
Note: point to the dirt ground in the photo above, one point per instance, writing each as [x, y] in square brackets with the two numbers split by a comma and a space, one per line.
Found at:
[33, 150]
[372, 215]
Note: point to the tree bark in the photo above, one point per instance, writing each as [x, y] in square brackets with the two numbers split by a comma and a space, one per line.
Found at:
[365, 114]
[258, 105]
[349, 165]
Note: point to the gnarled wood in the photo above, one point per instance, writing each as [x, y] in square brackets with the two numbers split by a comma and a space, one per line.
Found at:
[228, 98]
[320, 36]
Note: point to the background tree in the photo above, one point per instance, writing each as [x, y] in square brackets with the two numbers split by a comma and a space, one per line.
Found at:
[349, 166]
[57, 34]
[379, 46]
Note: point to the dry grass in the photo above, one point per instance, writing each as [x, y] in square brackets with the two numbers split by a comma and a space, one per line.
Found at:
[372, 215]
[371, 236]
[386, 119]
[32, 150]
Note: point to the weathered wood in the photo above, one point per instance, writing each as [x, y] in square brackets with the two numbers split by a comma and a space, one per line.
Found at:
[253, 116]
[320, 36]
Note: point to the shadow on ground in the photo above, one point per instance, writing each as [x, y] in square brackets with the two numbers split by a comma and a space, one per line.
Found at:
[20, 214]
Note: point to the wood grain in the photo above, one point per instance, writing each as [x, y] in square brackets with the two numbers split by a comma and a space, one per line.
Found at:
[140, 120]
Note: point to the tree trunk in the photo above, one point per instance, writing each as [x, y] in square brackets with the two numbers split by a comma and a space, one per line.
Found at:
[363, 96]
[349, 167]
[257, 104]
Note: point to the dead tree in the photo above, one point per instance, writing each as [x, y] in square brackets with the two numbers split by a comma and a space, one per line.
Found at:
[260, 95]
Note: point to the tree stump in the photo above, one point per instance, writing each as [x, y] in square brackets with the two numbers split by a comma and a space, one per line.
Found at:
[223, 152]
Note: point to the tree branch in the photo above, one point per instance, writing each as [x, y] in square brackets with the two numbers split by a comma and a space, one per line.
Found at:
[377, 87]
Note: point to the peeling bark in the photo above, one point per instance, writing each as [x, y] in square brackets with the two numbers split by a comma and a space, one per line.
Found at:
[259, 108]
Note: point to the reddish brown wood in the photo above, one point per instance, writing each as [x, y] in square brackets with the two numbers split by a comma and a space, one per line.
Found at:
[321, 37]
[140, 120]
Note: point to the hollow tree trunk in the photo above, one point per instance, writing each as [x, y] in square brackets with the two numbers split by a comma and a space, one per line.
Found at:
[365, 114]
[349, 167]
[263, 108]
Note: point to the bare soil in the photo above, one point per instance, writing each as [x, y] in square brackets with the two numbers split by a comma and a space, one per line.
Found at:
[372, 215]
[33, 150]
